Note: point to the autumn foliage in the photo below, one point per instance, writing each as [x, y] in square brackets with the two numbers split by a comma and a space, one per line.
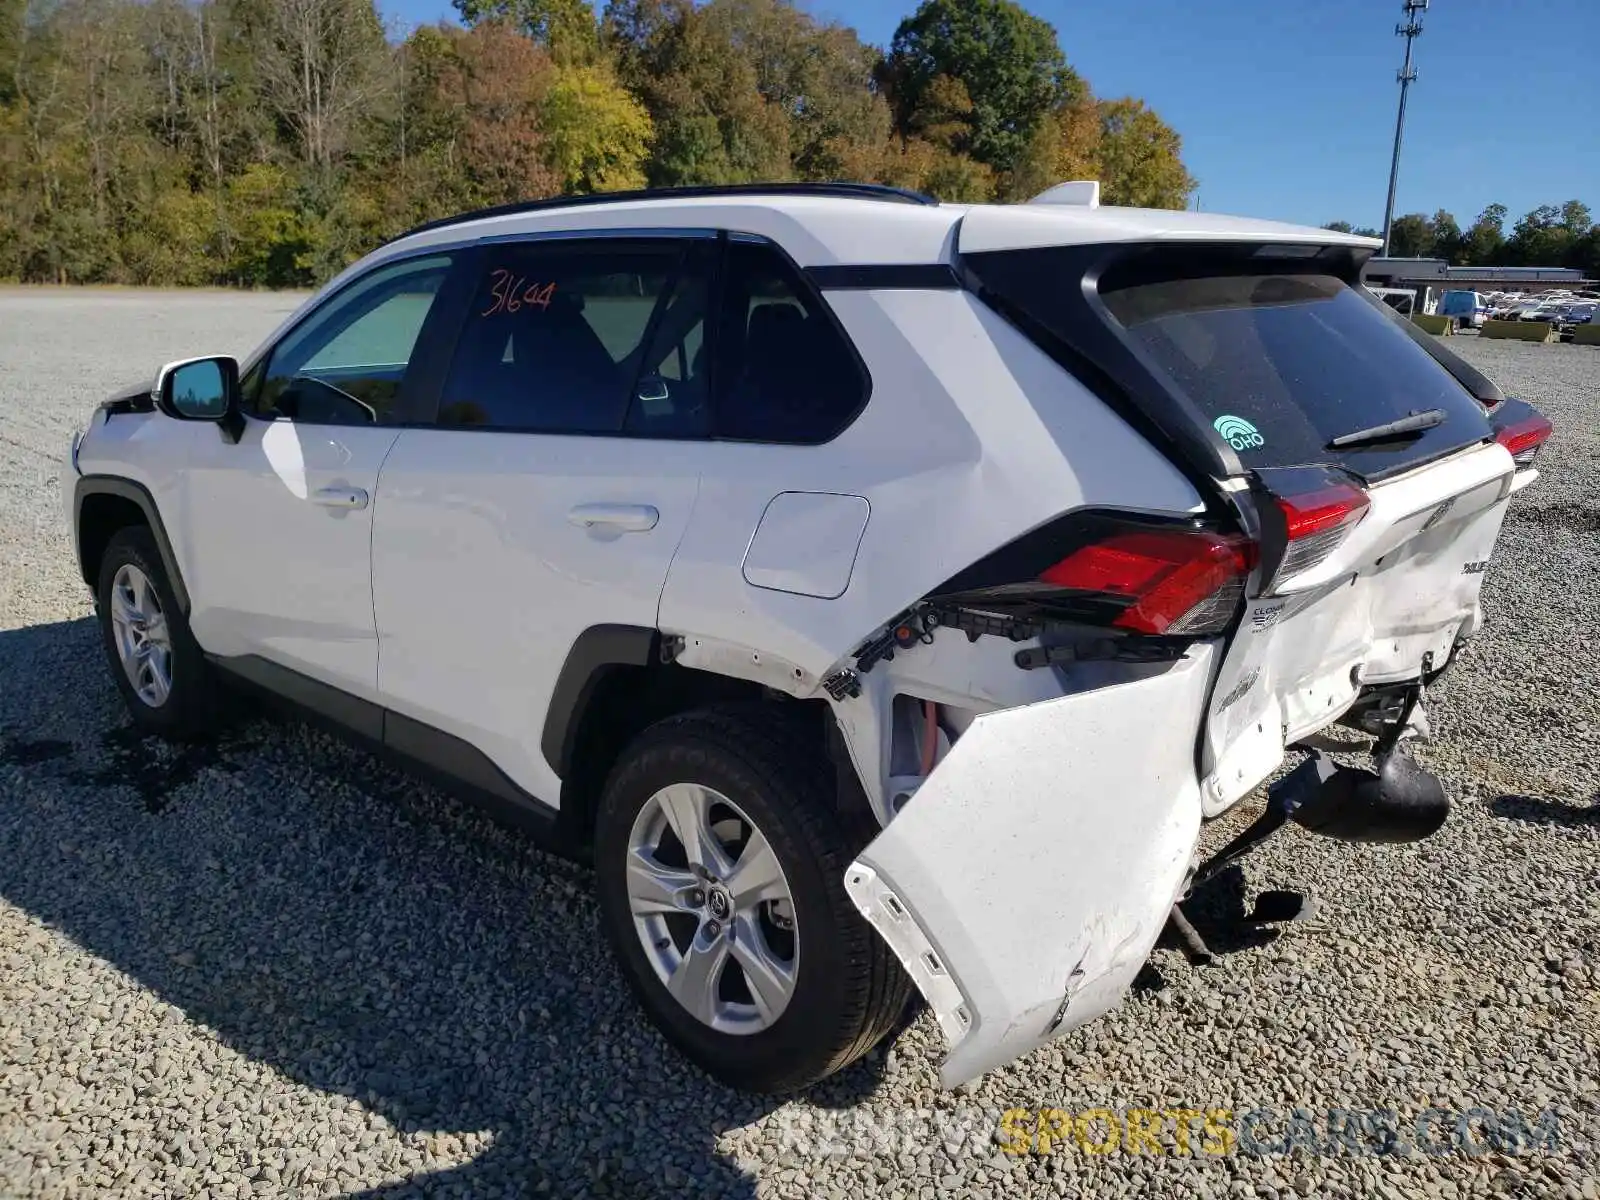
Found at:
[270, 142]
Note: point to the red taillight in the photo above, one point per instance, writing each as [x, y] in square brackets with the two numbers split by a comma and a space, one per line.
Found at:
[1331, 507]
[1525, 437]
[1179, 581]
[1317, 522]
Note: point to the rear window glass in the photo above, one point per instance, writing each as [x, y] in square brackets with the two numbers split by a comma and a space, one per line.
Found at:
[1282, 364]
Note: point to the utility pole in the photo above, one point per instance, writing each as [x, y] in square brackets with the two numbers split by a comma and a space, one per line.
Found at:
[1407, 77]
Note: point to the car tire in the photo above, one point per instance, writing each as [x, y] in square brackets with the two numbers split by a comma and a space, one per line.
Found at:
[753, 775]
[169, 688]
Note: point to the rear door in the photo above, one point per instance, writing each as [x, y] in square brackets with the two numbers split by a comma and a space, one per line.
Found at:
[549, 493]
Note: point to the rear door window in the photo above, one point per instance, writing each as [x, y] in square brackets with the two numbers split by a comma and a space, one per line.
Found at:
[558, 334]
[1282, 364]
[654, 338]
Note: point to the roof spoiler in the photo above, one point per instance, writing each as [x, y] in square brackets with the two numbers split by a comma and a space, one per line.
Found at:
[1079, 193]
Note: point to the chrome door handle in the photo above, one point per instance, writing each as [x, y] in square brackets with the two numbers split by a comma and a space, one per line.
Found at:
[340, 497]
[628, 518]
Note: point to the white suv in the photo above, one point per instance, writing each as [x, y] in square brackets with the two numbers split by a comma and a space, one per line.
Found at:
[878, 592]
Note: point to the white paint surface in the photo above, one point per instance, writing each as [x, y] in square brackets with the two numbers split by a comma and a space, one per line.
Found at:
[1040, 859]
[1391, 593]
[807, 543]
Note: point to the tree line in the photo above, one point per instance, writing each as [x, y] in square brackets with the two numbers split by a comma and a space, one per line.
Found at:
[1545, 237]
[271, 142]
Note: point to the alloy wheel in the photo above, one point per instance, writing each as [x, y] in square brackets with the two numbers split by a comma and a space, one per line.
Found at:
[713, 909]
[143, 641]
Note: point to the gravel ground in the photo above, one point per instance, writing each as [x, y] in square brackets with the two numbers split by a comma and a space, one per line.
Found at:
[274, 966]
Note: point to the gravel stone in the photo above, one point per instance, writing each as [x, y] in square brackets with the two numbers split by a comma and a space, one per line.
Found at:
[272, 966]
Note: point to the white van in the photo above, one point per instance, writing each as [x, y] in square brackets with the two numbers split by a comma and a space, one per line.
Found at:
[1468, 308]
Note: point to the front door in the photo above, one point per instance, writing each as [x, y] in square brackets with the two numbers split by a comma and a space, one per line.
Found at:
[279, 525]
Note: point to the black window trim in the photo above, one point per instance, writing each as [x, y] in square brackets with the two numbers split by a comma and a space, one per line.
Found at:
[618, 233]
[884, 277]
[469, 268]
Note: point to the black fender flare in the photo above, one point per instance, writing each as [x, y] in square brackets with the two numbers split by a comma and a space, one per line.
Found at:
[127, 489]
[595, 652]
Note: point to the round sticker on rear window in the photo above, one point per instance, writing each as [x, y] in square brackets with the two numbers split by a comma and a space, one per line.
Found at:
[1240, 433]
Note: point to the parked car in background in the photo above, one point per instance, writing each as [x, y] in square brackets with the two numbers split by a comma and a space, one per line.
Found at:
[1506, 305]
[1574, 315]
[1537, 310]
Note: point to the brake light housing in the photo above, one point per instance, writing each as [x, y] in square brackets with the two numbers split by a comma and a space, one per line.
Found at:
[1525, 437]
[1304, 515]
[1317, 522]
[1168, 581]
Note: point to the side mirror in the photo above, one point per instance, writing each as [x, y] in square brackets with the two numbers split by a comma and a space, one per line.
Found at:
[202, 389]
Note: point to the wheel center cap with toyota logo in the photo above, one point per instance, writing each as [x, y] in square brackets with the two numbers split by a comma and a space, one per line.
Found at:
[719, 904]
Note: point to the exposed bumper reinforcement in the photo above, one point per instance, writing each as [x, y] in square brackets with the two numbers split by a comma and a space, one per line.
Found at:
[1400, 802]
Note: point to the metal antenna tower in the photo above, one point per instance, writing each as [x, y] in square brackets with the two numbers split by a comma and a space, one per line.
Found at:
[1407, 77]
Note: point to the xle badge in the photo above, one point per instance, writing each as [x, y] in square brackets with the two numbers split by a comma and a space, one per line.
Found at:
[1241, 435]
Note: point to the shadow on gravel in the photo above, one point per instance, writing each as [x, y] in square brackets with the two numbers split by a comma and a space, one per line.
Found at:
[347, 927]
[1547, 812]
[1216, 910]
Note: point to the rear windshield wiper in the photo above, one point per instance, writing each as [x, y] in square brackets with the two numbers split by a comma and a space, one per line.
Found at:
[1411, 423]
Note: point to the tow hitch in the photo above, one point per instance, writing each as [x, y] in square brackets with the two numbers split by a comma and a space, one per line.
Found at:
[1399, 801]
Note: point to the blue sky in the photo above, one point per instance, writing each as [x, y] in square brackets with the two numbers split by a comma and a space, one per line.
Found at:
[1287, 109]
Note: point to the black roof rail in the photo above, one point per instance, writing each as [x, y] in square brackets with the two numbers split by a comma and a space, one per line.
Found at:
[851, 191]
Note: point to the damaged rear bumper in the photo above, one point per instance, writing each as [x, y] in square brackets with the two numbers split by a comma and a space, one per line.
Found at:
[1028, 880]
[1026, 884]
